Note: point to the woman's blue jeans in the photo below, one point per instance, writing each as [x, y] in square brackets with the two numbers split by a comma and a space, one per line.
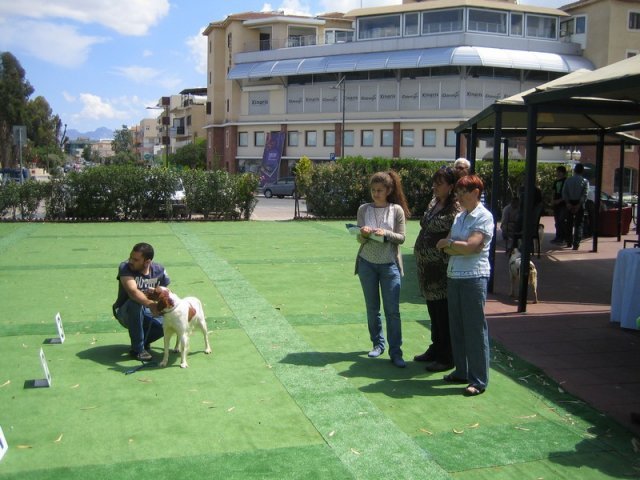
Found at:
[469, 331]
[143, 327]
[382, 278]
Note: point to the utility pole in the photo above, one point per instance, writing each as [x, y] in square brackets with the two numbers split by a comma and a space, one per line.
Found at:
[19, 134]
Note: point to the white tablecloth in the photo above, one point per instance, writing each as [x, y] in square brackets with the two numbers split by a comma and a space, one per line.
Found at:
[625, 291]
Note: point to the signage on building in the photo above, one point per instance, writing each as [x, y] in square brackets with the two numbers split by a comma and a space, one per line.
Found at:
[271, 157]
[258, 103]
[418, 94]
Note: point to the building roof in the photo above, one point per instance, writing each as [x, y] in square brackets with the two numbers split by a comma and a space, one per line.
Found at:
[416, 58]
[194, 91]
[275, 16]
[440, 4]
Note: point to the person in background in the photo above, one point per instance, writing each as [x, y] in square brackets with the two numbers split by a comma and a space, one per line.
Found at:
[379, 261]
[574, 194]
[132, 308]
[462, 166]
[508, 223]
[432, 268]
[534, 219]
[559, 208]
[467, 276]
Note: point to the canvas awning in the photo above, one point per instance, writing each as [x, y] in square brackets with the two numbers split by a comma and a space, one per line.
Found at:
[594, 105]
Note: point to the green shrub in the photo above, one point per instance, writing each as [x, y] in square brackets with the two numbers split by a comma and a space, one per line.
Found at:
[129, 192]
[22, 199]
[245, 199]
[337, 189]
[219, 195]
[9, 199]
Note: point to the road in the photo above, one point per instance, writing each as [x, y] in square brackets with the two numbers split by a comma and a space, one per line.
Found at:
[277, 208]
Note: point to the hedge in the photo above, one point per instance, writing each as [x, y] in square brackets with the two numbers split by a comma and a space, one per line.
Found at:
[332, 190]
[128, 192]
[337, 189]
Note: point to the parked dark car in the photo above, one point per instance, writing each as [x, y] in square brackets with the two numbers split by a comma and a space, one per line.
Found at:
[283, 187]
[13, 175]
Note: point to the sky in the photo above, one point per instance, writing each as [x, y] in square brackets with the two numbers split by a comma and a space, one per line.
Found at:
[100, 63]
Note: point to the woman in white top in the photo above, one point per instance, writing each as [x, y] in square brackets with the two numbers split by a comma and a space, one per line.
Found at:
[467, 276]
[379, 262]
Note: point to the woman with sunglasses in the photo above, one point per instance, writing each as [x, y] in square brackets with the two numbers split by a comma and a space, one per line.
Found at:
[467, 276]
[432, 268]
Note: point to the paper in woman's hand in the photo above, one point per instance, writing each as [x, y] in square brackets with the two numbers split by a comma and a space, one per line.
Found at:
[355, 230]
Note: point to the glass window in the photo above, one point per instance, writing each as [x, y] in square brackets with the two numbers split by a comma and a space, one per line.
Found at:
[300, 36]
[386, 139]
[634, 20]
[450, 138]
[577, 25]
[428, 138]
[407, 138]
[441, 21]
[258, 139]
[488, 21]
[629, 180]
[539, 26]
[516, 24]
[379, 27]
[366, 138]
[243, 139]
[292, 138]
[329, 138]
[411, 24]
[338, 36]
[348, 138]
[311, 138]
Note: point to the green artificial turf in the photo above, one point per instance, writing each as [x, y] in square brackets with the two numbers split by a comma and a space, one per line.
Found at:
[288, 392]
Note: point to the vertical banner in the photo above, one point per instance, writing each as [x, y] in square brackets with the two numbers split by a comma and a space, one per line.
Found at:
[271, 157]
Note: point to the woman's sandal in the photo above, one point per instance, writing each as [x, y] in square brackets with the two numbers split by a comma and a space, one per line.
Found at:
[451, 378]
[472, 391]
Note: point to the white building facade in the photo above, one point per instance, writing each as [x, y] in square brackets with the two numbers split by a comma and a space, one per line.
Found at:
[376, 82]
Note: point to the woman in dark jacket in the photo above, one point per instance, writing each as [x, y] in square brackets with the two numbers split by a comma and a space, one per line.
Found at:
[432, 268]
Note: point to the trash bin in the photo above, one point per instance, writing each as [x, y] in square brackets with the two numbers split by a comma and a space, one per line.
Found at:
[608, 222]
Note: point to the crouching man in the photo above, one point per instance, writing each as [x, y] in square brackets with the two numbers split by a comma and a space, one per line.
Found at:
[133, 309]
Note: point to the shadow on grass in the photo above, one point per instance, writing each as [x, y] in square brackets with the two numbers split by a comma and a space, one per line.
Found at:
[409, 388]
[115, 357]
[592, 453]
[358, 364]
[392, 381]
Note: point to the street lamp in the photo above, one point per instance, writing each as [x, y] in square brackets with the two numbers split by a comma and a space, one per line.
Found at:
[342, 86]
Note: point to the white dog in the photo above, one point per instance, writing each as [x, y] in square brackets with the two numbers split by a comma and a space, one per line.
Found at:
[180, 317]
[514, 270]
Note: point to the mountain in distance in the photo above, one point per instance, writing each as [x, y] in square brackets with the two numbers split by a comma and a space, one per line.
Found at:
[98, 134]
